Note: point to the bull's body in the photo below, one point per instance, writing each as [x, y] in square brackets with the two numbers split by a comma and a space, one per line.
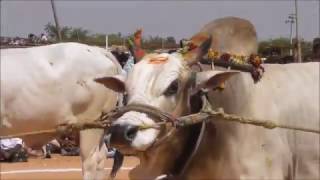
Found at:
[286, 94]
[42, 87]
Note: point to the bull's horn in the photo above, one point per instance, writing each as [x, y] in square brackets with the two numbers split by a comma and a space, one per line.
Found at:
[197, 47]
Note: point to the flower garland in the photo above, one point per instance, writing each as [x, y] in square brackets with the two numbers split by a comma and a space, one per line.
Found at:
[253, 60]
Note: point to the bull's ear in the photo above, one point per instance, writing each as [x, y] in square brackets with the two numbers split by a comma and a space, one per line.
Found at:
[115, 83]
[212, 79]
[197, 47]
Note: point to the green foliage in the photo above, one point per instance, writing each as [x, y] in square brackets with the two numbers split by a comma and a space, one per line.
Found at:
[53, 33]
[171, 42]
[157, 42]
[96, 39]
[284, 46]
[116, 39]
[84, 36]
[306, 48]
[77, 34]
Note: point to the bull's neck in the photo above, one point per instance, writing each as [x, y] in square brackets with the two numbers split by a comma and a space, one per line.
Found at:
[161, 160]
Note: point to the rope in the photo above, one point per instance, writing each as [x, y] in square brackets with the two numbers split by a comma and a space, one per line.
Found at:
[220, 115]
[60, 128]
[205, 114]
[49, 131]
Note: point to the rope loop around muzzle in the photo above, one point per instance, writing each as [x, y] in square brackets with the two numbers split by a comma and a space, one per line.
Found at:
[161, 117]
[164, 121]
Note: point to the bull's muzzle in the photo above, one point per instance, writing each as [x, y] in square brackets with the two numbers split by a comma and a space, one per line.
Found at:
[122, 135]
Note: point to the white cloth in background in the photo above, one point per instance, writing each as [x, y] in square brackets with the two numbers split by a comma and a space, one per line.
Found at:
[129, 64]
[9, 143]
[44, 38]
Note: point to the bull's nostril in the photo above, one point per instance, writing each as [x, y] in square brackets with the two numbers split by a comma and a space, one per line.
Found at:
[122, 134]
[131, 132]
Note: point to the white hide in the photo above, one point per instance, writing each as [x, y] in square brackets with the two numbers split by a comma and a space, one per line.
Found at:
[42, 87]
[146, 84]
[52, 84]
[287, 94]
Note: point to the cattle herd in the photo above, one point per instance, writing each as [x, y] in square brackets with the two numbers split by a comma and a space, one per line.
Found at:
[71, 83]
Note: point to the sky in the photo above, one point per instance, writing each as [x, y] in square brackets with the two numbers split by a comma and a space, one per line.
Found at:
[180, 19]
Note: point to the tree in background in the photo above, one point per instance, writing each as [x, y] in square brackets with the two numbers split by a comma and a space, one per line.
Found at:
[78, 34]
[96, 39]
[171, 42]
[306, 49]
[116, 39]
[52, 32]
[283, 46]
[157, 42]
[84, 36]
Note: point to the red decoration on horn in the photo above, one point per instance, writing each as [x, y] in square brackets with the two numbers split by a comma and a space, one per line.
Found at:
[138, 51]
[226, 57]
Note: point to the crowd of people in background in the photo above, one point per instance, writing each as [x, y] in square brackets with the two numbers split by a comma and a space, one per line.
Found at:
[15, 150]
[32, 39]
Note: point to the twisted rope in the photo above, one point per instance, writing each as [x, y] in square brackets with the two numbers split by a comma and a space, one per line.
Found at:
[49, 131]
[208, 115]
[61, 128]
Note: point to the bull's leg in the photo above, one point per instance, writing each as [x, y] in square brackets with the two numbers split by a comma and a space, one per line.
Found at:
[92, 156]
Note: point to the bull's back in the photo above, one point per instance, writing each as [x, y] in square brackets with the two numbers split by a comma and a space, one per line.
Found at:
[43, 86]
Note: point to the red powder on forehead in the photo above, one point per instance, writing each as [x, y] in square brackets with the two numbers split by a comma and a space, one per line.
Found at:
[158, 60]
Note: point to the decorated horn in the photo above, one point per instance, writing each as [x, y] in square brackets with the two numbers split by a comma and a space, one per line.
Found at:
[134, 45]
[197, 47]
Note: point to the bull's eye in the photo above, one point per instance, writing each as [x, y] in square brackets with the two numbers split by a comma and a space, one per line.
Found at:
[172, 89]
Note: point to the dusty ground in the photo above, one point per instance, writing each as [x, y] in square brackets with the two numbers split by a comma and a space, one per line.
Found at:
[58, 167]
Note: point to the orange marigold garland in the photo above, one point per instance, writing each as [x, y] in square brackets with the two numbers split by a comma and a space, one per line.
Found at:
[253, 60]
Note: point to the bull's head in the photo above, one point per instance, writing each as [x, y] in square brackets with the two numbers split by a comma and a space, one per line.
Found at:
[164, 81]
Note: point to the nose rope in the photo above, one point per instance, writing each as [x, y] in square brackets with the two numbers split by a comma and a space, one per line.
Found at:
[162, 117]
[206, 114]
[165, 121]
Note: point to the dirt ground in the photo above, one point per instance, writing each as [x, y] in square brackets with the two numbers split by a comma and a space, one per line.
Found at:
[58, 167]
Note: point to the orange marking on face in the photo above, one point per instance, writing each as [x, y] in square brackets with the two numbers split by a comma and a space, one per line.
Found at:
[158, 60]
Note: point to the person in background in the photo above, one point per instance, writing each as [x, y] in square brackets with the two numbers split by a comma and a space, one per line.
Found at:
[43, 38]
[129, 64]
[135, 51]
[316, 49]
[69, 143]
[52, 147]
[12, 150]
[135, 46]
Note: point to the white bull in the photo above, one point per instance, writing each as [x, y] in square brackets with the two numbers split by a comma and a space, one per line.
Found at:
[42, 87]
[287, 94]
